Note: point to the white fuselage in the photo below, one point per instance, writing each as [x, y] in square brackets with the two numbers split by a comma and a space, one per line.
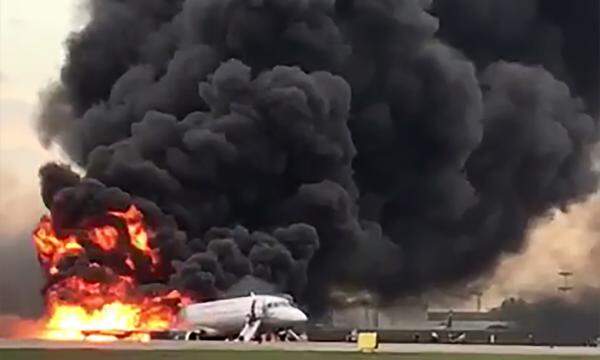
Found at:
[228, 317]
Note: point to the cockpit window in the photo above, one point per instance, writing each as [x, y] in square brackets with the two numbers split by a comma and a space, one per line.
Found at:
[278, 304]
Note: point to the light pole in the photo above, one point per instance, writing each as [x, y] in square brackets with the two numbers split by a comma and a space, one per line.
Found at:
[598, 332]
[478, 296]
[566, 287]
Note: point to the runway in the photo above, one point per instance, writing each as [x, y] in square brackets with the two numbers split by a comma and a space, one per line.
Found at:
[303, 346]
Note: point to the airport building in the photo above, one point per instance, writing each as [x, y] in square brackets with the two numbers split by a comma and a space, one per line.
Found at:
[411, 320]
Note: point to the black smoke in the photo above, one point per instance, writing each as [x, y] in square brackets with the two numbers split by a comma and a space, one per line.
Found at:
[317, 143]
[561, 36]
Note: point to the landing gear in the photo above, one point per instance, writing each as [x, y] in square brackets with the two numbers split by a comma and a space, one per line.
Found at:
[193, 336]
[285, 335]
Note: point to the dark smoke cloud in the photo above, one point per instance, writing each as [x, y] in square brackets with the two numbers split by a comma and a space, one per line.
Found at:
[313, 143]
[562, 36]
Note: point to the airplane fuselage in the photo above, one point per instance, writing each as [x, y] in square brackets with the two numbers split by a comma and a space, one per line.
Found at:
[228, 317]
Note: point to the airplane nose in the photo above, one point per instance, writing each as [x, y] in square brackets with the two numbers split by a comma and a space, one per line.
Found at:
[299, 316]
[289, 316]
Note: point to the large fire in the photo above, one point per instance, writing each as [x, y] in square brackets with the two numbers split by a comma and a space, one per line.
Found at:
[111, 306]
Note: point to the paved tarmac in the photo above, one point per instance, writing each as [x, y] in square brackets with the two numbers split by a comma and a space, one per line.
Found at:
[303, 346]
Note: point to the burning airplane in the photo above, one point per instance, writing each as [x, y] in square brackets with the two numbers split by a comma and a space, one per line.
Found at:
[94, 292]
[102, 300]
[313, 145]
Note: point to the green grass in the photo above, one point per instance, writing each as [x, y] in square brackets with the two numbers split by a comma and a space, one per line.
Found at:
[248, 355]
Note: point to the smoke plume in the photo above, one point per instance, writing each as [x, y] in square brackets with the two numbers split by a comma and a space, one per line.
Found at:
[559, 35]
[564, 241]
[320, 143]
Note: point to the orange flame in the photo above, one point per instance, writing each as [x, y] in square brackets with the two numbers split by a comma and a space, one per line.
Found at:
[78, 309]
[102, 312]
[52, 249]
[106, 237]
[138, 235]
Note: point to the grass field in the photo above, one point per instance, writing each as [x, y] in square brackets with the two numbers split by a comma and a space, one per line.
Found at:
[248, 355]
